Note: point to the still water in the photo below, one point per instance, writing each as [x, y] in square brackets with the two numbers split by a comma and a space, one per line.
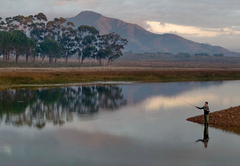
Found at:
[134, 124]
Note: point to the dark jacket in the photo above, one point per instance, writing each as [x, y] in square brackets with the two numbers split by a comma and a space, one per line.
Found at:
[206, 109]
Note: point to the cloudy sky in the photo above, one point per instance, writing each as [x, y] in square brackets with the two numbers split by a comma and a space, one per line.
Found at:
[216, 22]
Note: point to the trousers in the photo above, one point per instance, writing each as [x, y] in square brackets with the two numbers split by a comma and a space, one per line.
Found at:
[206, 119]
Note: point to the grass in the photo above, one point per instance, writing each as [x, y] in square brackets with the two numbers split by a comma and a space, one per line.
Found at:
[21, 77]
[151, 69]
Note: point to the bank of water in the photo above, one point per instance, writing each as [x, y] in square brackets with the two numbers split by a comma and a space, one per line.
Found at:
[130, 124]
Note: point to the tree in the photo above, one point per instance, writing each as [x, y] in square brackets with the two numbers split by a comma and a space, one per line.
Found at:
[102, 54]
[182, 55]
[115, 43]
[219, 55]
[50, 48]
[68, 41]
[38, 31]
[31, 51]
[20, 43]
[87, 39]
[201, 54]
[5, 44]
[88, 47]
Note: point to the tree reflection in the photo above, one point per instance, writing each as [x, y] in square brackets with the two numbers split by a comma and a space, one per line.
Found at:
[37, 107]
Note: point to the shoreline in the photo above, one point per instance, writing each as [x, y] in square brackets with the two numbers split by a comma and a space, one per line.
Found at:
[227, 119]
[20, 77]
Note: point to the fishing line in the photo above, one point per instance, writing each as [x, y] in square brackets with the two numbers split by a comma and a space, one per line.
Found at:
[187, 103]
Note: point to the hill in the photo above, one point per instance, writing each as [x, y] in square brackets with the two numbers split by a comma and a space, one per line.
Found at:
[141, 40]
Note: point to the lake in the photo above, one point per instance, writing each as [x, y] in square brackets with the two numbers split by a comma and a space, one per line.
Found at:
[129, 124]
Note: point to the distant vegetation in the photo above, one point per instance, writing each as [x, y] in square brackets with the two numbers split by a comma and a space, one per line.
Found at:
[201, 54]
[218, 55]
[35, 36]
[180, 55]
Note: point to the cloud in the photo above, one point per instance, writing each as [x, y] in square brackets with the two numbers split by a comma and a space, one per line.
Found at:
[162, 24]
[159, 27]
[205, 13]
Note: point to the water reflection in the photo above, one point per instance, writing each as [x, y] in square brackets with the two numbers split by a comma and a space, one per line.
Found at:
[156, 132]
[205, 136]
[37, 107]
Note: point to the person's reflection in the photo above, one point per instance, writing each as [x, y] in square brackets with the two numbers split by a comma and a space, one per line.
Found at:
[205, 136]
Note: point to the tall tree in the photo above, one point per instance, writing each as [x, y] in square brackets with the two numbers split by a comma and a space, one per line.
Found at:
[67, 41]
[20, 43]
[102, 54]
[31, 49]
[115, 43]
[5, 44]
[50, 48]
[87, 38]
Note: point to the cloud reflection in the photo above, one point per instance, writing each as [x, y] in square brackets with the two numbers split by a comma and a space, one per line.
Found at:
[158, 102]
[218, 98]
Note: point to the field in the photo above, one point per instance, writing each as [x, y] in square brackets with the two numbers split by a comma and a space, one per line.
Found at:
[148, 68]
[150, 60]
[33, 76]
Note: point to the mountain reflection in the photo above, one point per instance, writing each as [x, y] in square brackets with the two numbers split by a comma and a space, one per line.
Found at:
[37, 107]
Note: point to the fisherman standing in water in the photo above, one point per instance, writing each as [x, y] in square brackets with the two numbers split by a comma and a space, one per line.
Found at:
[206, 112]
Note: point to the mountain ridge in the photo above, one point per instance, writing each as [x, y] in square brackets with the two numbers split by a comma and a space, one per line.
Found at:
[141, 40]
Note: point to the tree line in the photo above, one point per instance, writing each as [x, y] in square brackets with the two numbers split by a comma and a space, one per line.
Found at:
[35, 36]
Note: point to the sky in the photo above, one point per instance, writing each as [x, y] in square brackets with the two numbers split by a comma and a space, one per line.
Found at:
[215, 22]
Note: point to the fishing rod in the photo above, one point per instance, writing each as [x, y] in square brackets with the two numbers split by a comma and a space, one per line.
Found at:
[188, 103]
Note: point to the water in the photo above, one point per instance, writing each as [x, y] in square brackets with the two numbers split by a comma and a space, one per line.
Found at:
[139, 124]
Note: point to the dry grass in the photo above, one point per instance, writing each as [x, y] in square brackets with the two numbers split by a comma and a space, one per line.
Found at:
[32, 76]
[139, 61]
[152, 69]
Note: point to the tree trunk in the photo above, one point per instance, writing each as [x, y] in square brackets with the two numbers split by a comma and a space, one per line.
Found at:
[100, 62]
[81, 57]
[67, 60]
[43, 59]
[16, 59]
[55, 60]
[26, 58]
[7, 58]
[3, 58]
[37, 59]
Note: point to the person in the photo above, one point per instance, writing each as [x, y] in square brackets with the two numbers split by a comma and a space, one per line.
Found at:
[206, 112]
[205, 137]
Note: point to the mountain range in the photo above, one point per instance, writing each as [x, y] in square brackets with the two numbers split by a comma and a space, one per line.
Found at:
[141, 40]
